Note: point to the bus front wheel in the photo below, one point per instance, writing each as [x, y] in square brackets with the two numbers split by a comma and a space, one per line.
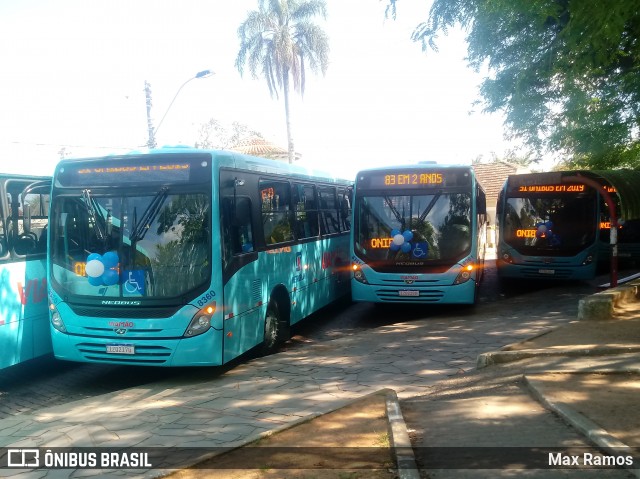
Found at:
[276, 329]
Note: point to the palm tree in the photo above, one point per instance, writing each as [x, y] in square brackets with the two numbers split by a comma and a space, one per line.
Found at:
[280, 39]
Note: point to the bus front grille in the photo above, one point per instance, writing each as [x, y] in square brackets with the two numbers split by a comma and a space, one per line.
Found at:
[424, 296]
[126, 313]
[143, 354]
[402, 282]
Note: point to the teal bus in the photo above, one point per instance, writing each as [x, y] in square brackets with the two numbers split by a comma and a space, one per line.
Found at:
[419, 235]
[557, 225]
[24, 320]
[187, 257]
[547, 229]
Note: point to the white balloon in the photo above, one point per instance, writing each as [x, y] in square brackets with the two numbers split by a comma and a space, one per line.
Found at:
[542, 228]
[94, 268]
[398, 239]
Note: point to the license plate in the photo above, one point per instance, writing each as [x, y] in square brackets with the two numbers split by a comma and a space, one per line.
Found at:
[121, 349]
[406, 292]
[547, 271]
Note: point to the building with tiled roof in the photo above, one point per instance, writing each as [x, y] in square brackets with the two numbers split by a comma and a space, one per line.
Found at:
[258, 146]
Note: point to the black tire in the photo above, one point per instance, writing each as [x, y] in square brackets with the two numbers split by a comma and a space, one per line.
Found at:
[276, 329]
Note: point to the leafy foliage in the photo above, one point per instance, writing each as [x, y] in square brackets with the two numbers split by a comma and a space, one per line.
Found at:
[566, 73]
[279, 40]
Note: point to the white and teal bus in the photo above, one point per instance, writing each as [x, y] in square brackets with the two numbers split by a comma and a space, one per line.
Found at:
[24, 320]
[186, 257]
[419, 235]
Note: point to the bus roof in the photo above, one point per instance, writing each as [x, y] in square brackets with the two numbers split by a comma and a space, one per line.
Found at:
[412, 166]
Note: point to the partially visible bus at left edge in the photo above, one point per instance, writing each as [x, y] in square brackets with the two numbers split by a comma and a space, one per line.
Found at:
[185, 257]
[24, 319]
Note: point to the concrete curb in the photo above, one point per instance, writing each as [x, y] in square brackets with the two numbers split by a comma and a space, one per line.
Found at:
[501, 357]
[399, 439]
[601, 305]
[586, 426]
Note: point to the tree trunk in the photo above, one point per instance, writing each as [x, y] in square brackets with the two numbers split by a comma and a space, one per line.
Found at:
[287, 114]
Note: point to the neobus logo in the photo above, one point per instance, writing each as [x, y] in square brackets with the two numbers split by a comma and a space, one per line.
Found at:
[107, 302]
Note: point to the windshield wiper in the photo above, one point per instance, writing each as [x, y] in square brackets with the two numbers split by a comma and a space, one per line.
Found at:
[430, 206]
[94, 212]
[139, 229]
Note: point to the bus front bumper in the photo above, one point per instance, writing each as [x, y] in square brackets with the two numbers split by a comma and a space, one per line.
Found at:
[197, 351]
[463, 293]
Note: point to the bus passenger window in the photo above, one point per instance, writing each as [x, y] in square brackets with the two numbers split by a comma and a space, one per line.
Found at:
[328, 211]
[344, 202]
[306, 211]
[275, 208]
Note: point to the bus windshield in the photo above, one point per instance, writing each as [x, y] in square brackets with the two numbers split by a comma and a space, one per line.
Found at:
[413, 229]
[151, 245]
[550, 225]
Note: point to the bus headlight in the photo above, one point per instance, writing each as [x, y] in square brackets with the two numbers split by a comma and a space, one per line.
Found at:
[465, 274]
[56, 319]
[588, 260]
[358, 274]
[506, 257]
[201, 322]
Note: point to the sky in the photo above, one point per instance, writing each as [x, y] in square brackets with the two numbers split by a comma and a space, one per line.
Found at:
[72, 76]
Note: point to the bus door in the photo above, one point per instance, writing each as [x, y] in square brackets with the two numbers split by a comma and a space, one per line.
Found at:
[242, 278]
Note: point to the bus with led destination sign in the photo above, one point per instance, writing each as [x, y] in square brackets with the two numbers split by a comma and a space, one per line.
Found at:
[419, 235]
[190, 257]
[547, 229]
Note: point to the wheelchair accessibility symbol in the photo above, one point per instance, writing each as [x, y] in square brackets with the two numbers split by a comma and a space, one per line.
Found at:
[134, 283]
[421, 249]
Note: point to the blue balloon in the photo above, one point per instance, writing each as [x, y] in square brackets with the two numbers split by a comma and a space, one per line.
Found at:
[549, 225]
[394, 247]
[93, 256]
[110, 259]
[110, 277]
[408, 235]
[95, 281]
[394, 232]
[406, 247]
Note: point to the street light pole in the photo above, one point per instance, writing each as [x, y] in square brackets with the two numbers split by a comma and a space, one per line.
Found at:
[151, 143]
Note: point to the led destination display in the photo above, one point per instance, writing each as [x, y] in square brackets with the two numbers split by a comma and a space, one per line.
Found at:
[390, 179]
[106, 174]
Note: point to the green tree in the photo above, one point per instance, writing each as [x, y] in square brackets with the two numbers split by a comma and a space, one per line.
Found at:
[280, 39]
[566, 73]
